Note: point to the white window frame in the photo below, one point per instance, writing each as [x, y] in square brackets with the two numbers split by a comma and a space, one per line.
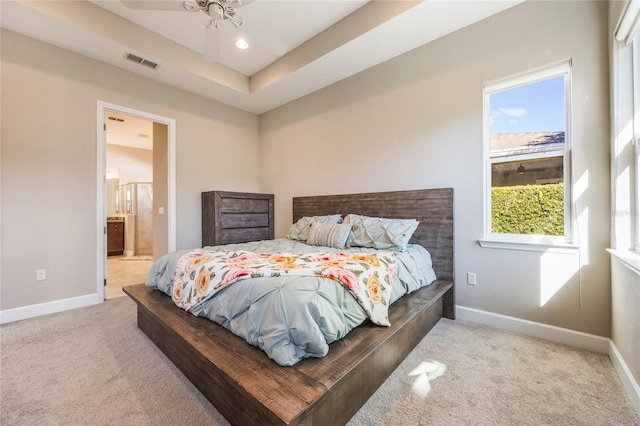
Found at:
[529, 242]
[626, 74]
[635, 52]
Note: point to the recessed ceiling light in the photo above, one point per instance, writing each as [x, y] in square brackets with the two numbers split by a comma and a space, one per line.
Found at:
[242, 43]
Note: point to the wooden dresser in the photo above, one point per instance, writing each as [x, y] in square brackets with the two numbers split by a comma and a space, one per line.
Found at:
[236, 217]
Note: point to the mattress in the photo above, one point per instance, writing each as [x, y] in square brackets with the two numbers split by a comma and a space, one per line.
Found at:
[292, 317]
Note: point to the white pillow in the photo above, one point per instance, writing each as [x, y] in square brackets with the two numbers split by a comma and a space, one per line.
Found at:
[300, 230]
[329, 235]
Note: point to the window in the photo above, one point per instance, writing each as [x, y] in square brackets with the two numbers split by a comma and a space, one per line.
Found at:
[526, 149]
[625, 124]
[626, 129]
[636, 131]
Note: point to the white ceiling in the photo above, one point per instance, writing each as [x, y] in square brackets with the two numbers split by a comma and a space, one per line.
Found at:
[129, 131]
[290, 22]
[328, 40]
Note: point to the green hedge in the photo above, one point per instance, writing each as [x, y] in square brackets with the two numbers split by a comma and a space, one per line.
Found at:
[528, 209]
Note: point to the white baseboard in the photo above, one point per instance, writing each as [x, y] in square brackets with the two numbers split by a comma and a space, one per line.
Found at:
[10, 315]
[628, 381]
[561, 335]
[552, 333]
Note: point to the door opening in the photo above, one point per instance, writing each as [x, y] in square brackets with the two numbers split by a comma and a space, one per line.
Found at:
[130, 144]
[136, 195]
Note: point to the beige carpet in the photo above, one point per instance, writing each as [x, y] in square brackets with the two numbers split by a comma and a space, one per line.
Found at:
[92, 366]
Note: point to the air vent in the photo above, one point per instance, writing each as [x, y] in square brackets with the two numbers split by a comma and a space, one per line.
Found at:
[138, 60]
[116, 119]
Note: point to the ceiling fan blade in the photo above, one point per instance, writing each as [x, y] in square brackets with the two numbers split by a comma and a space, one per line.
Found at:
[259, 37]
[244, 3]
[171, 5]
[212, 43]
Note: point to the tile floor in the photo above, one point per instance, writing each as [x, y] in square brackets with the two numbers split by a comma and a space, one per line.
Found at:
[123, 271]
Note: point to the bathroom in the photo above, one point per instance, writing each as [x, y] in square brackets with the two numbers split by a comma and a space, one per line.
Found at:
[129, 201]
[129, 215]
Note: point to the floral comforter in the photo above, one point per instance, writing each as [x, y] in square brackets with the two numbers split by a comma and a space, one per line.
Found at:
[290, 317]
[201, 274]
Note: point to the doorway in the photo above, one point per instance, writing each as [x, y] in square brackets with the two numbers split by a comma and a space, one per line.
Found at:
[136, 208]
[130, 170]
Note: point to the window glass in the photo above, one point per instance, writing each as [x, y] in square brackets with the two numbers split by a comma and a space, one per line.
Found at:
[527, 146]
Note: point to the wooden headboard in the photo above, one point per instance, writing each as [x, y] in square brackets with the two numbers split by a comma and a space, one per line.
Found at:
[432, 207]
[236, 217]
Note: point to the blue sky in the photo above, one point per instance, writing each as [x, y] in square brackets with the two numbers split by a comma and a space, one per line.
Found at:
[535, 107]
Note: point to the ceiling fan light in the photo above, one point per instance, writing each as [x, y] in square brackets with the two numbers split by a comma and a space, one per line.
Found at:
[191, 6]
[216, 11]
[213, 25]
[237, 22]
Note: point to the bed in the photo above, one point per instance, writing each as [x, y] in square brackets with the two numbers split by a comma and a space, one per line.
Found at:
[249, 388]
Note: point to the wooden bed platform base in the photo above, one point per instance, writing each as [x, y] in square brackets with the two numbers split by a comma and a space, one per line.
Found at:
[249, 388]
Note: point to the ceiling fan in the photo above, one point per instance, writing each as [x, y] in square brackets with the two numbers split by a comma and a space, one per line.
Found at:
[218, 11]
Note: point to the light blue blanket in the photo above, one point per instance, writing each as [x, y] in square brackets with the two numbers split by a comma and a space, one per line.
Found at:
[292, 317]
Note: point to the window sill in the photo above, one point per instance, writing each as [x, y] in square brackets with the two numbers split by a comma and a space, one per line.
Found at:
[540, 246]
[628, 258]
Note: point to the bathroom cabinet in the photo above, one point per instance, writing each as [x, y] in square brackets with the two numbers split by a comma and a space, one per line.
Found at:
[115, 237]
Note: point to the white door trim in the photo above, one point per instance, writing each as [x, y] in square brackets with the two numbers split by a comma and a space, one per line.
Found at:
[101, 249]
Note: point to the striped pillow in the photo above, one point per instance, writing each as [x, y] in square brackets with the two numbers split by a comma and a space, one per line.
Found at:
[328, 235]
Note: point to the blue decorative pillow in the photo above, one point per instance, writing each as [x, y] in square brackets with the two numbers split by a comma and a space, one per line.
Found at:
[300, 230]
[379, 232]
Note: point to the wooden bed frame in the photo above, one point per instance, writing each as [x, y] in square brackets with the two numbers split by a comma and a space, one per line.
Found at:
[249, 388]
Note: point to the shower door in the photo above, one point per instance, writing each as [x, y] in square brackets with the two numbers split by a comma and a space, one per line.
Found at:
[139, 201]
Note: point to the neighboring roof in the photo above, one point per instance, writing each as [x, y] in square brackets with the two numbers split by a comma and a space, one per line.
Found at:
[525, 142]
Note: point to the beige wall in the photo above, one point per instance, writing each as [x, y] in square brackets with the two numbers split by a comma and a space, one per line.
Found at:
[123, 157]
[625, 294]
[48, 162]
[416, 122]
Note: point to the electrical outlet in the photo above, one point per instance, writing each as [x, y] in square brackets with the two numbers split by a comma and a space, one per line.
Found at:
[41, 274]
[471, 278]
